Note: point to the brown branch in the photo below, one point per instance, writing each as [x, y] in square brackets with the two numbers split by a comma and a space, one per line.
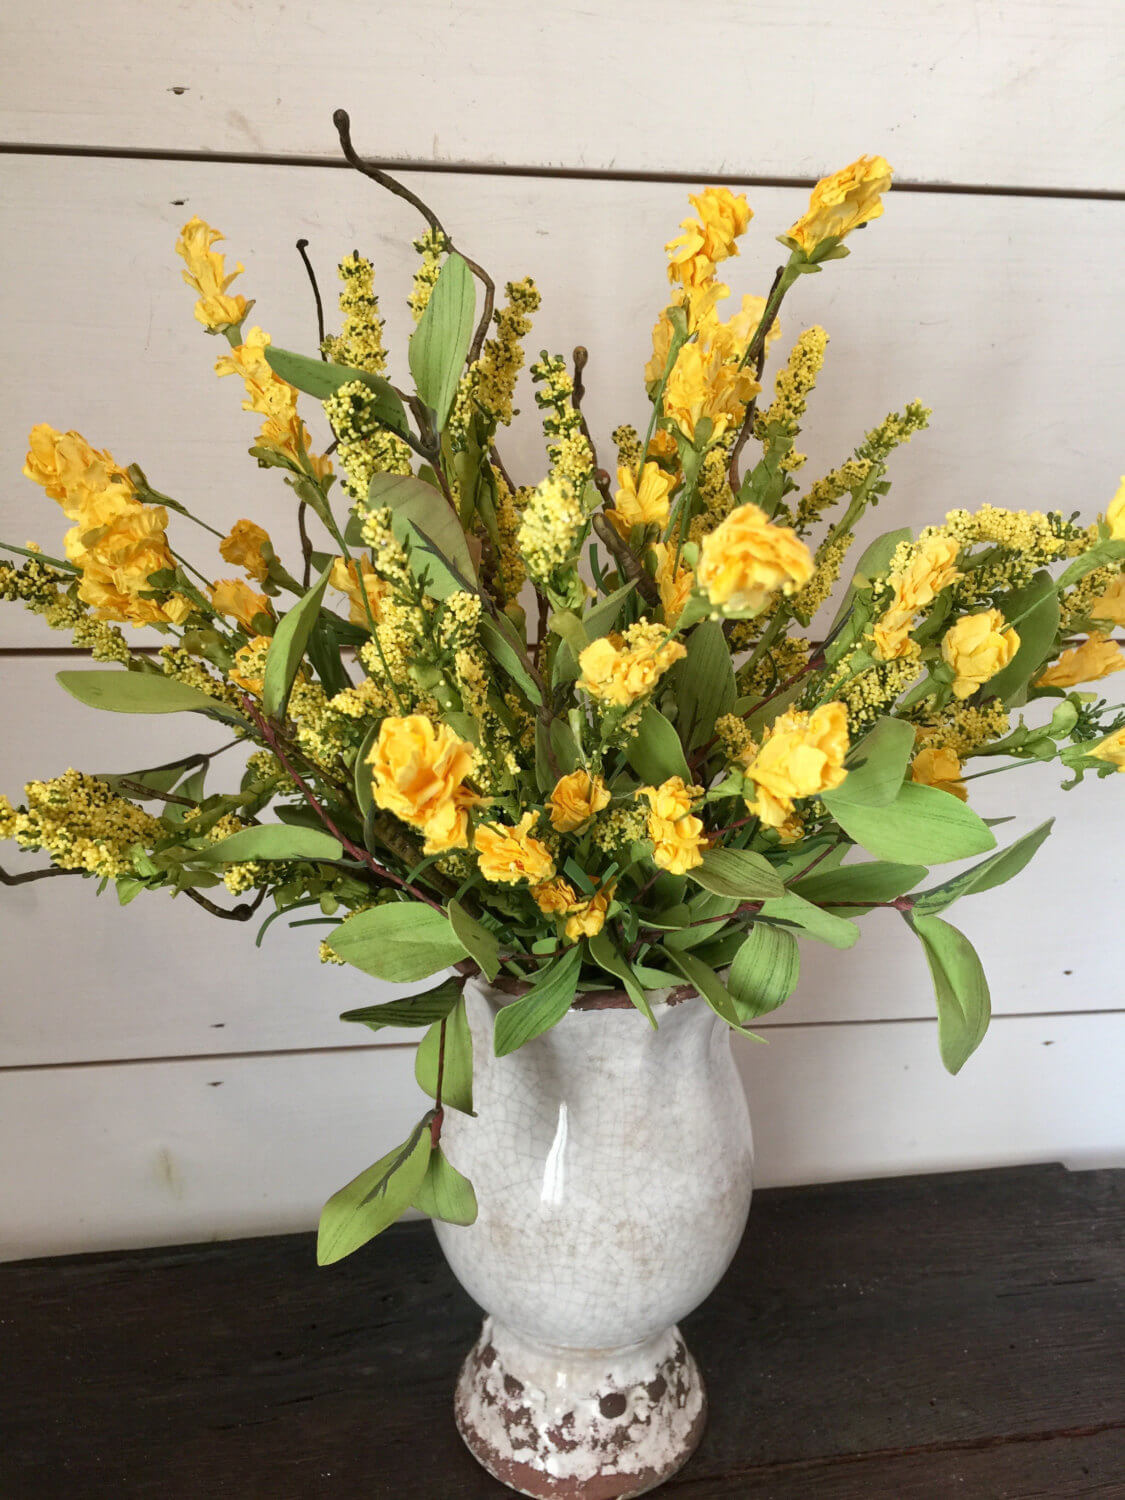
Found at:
[303, 252]
[230, 914]
[627, 560]
[139, 789]
[30, 875]
[756, 352]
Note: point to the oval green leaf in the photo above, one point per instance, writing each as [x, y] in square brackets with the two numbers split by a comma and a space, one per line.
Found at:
[124, 692]
[737, 873]
[440, 342]
[457, 1069]
[399, 941]
[991, 872]
[963, 1003]
[273, 841]
[374, 1199]
[922, 825]
[482, 946]
[765, 970]
[541, 1008]
[415, 1010]
[445, 1193]
[288, 647]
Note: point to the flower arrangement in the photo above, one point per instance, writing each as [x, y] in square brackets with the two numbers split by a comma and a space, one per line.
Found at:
[580, 732]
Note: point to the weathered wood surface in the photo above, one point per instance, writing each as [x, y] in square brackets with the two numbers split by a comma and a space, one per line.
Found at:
[920, 1338]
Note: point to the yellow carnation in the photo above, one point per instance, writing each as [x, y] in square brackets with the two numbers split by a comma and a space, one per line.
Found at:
[206, 274]
[802, 755]
[939, 767]
[119, 544]
[1112, 749]
[346, 577]
[1111, 605]
[674, 581]
[677, 835]
[977, 647]
[587, 918]
[69, 469]
[841, 203]
[553, 897]
[508, 855]
[1115, 513]
[619, 669]
[723, 216]
[418, 770]
[646, 505]
[932, 568]
[1093, 659]
[239, 601]
[747, 559]
[704, 384]
[245, 546]
[575, 800]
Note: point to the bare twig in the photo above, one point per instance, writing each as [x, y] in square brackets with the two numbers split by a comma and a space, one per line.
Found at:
[599, 475]
[30, 875]
[627, 560]
[756, 351]
[241, 913]
[139, 789]
[303, 252]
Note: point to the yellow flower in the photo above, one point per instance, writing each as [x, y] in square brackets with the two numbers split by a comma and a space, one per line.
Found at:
[802, 755]
[619, 669]
[1111, 605]
[710, 238]
[704, 384]
[575, 800]
[1112, 749]
[939, 767]
[250, 664]
[675, 582]
[118, 544]
[508, 855]
[587, 918]
[932, 567]
[1115, 513]
[245, 547]
[554, 897]
[747, 559]
[206, 274]
[273, 398]
[841, 203]
[643, 506]
[346, 577]
[1093, 659]
[977, 647]
[69, 469]
[232, 597]
[418, 773]
[677, 835]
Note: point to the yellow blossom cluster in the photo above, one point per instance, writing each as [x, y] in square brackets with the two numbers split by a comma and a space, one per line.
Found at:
[746, 560]
[41, 589]
[802, 755]
[618, 828]
[359, 344]
[510, 574]
[180, 664]
[206, 274]
[619, 669]
[627, 441]
[677, 834]
[431, 246]
[364, 445]
[841, 202]
[1038, 537]
[418, 772]
[568, 448]
[965, 727]
[275, 399]
[501, 358]
[829, 562]
[81, 824]
[551, 529]
[791, 389]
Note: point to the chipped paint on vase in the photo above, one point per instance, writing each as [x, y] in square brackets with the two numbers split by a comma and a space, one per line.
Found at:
[612, 1165]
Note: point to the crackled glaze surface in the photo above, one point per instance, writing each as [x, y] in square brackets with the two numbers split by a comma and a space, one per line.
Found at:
[612, 1166]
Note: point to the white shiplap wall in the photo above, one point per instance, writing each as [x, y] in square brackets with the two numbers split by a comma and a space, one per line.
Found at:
[159, 1078]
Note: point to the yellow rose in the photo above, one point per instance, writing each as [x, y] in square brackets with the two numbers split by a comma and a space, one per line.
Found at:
[575, 800]
[977, 647]
[1093, 659]
[206, 274]
[508, 855]
[674, 581]
[418, 770]
[1115, 513]
[677, 835]
[1111, 605]
[643, 506]
[802, 755]
[939, 767]
[239, 601]
[345, 577]
[619, 669]
[554, 897]
[587, 918]
[244, 547]
[69, 469]
[747, 559]
[1112, 749]
[841, 203]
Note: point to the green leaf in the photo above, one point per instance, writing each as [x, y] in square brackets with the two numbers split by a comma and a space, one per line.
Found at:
[606, 956]
[655, 752]
[440, 342]
[824, 926]
[503, 648]
[321, 378]
[1109, 551]
[416, 1010]
[445, 1194]
[602, 617]
[991, 872]
[562, 743]
[860, 886]
[423, 520]
[361, 771]
[478, 942]
[273, 841]
[765, 970]
[963, 1003]
[704, 684]
[288, 647]
[737, 873]
[1038, 605]
[543, 1007]
[374, 1199]
[871, 565]
[879, 764]
[708, 984]
[141, 693]
[457, 1073]
[399, 940]
[922, 825]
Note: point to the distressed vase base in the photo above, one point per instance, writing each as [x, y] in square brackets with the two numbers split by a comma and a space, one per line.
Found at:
[567, 1424]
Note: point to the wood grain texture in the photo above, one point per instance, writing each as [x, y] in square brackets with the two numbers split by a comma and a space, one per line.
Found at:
[103, 1155]
[989, 92]
[916, 1338]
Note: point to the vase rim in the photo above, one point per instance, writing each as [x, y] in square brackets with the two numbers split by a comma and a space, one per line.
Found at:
[607, 999]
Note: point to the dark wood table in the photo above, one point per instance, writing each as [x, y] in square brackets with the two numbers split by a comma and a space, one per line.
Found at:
[949, 1336]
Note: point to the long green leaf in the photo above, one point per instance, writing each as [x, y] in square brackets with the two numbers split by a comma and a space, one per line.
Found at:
[655, 752]
[321, 378]
[708, 984]
[445, 1194]
[878, 764]
[1036, 607]
[399, 941]
[606, 956]
[1110, 551]
[737, 873]
[994, 871]
[922, 825]
[288, 647]
[273, 841]
[361, 770]
[141, 693]
[765, 970]
[824, 926]
[861, 885]
[704, 684]
[540, 1009]
[503, 649]
[422, 518]
[415, 1010]
[457, 1069]
[374, 1199]
[478, 942]
[963, 1003]
[440, 342]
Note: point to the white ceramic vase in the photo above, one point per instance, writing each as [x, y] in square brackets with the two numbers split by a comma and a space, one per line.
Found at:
[612, 1166]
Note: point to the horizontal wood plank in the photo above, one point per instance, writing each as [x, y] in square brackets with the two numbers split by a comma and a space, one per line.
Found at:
[104, 1156]
[911, 1339]
[955, 93]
